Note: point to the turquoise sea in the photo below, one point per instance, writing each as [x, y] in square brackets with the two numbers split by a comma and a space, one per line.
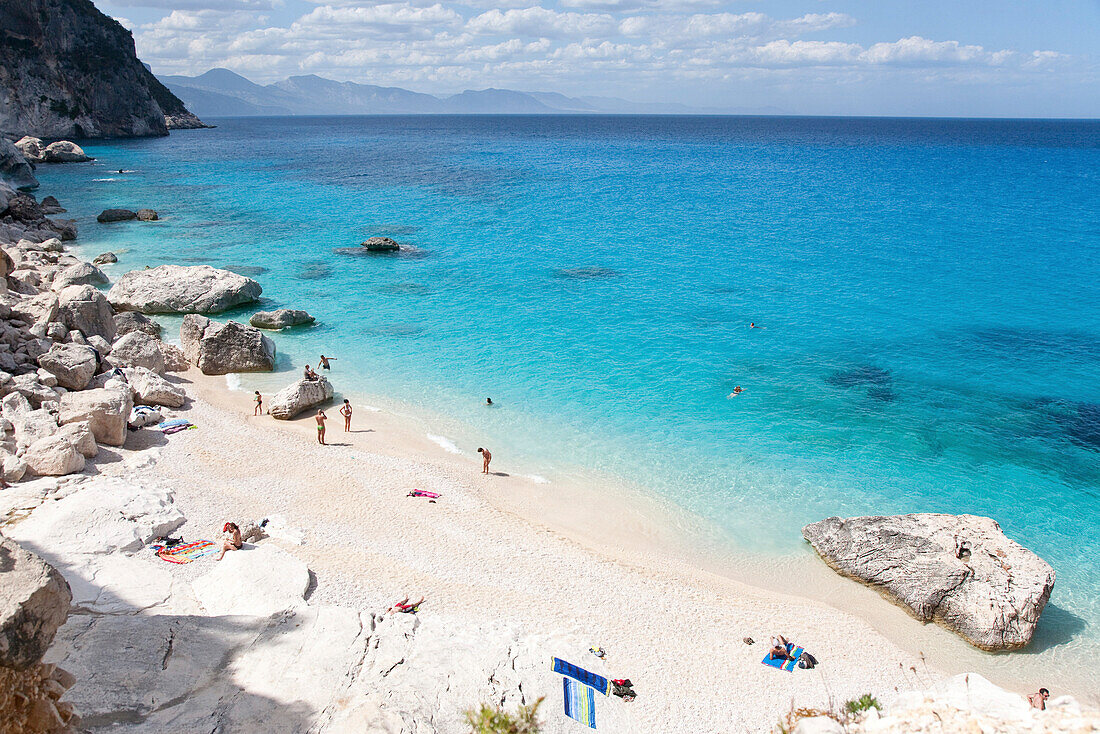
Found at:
[928, 291]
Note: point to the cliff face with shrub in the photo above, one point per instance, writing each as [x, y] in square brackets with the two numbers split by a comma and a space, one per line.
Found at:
[69, 71]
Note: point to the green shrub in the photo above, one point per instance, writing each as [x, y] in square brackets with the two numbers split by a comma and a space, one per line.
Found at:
[495, 720]
[863, 703]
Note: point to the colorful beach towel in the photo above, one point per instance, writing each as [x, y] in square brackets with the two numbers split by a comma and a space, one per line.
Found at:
[580, 702]
[783, 663]
[601, 684]
[423, 493]
[186, 552]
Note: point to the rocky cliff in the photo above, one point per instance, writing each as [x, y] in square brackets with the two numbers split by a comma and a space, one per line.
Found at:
[67, 70]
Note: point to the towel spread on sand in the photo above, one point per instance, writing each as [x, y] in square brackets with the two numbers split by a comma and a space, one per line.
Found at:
[580, 702]
[187, 552]
[783, 663]
[569, 670]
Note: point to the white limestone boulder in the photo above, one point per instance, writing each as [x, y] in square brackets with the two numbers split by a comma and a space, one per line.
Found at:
[128, 321]
[64, 151]
[85, 309]
[138, 349]
[53, 456]
[149, 388]
[105, 409]
[218, 349]
[81, 436]
[34, 602]
[31, 148]
[73, 365]
[119, 584]
[81, 273]
[280, 318]
[182, 289]
[958, 570]
[105, 515]
[256, 580]
[32, 425]
[299, 396]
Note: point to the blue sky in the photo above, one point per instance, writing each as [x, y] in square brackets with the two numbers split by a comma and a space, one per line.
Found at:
[859, 57]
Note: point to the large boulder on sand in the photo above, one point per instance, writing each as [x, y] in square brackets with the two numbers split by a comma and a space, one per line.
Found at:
[34, 602]
[106, 411]
[53, 456]
[74, 365]
[280, 318]
[85, 309]
[64, 151]
[299, 396]
[958, 570]
[149, 388]
[137, 349]
[218, 349]
[182, 289]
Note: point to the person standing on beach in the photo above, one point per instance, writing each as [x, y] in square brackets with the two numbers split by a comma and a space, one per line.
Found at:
[259, 404]
[345, 410]
[487, 457]
[321, 418]
[323, 364]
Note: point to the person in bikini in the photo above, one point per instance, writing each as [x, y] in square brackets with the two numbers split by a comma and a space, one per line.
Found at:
[321, 418]
[259, 404]
[232, 539]
[345, 410]
[405, 607]
[487, 457]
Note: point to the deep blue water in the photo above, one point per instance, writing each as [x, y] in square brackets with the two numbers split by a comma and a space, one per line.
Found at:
[928, 288]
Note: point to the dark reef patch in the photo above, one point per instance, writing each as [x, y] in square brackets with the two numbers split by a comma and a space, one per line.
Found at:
[314, 271]
[865, 376]
[250, 271]
[592, 272]
[396, 289]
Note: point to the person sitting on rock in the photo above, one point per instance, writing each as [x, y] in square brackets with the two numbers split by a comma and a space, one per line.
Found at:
[1039, 700]
[232, 539]
[309, 373]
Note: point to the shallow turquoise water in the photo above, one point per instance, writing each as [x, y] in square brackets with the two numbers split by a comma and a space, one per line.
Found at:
[928, 288]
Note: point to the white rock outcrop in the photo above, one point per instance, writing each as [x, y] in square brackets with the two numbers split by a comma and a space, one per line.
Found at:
[182, 289]
[138, 349]
[149, 388]
[85, 309]
[280, 318]
[106, 410]
[299, 396]
[958, 570]
[218, 349]
[256, 580]
[34, 602]
[81, 273]
[53, 456]
[73, 365]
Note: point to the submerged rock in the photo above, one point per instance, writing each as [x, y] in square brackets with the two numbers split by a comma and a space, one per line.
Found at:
[958, 570]
[218, 349]
[116, 215]
[299, 396]
[182, 289]
[280, 318]
[381, 244]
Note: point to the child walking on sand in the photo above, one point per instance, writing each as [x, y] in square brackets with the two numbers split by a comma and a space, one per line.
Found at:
[345, 410]
[321, 418]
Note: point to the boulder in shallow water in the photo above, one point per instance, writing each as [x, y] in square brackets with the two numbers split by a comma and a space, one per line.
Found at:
[182, 289]
[381, 244]
[34, 603]
[50, 205]
[105, 258]
[299, 396]
[280, 318]
[218, 349]
[115, 215]
[958, 570]
[31, 148]
[147, 215]
[64, 151]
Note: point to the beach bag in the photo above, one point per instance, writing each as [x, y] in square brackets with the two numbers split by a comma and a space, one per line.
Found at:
[806, 661]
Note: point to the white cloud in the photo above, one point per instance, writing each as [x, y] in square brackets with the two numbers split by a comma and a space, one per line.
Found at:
[540, 22]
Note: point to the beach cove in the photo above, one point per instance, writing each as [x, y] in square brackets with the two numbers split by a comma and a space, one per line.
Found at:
[531, 553]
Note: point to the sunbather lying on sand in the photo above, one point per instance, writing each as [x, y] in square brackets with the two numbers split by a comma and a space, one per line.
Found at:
[404, 606]
[780, 648]
[232, 539]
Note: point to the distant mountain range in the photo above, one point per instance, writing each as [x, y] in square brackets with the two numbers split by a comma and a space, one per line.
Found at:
[223, 93]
